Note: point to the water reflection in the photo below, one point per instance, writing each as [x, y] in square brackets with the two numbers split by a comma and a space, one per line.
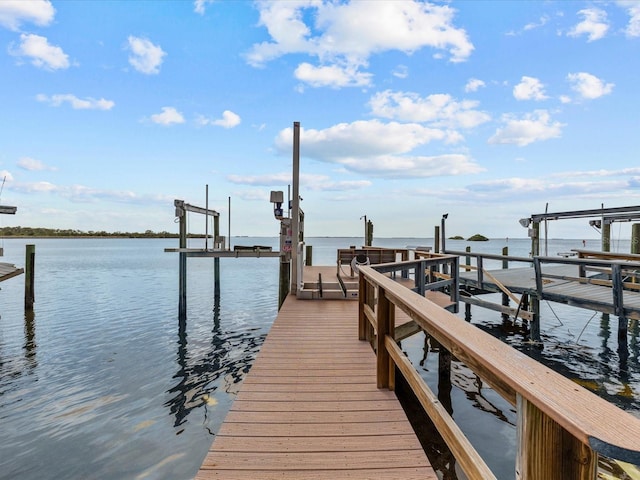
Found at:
[30, 340]
[198, 375]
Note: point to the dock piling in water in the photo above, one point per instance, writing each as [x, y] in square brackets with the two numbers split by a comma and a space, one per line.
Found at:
[29, 279]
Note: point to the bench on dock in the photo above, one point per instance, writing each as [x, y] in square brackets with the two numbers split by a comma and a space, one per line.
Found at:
[366, 256]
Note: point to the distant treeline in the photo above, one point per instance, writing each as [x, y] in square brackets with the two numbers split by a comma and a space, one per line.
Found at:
[57, 232]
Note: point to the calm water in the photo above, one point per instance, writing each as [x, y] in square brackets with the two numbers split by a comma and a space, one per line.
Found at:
[104, 381]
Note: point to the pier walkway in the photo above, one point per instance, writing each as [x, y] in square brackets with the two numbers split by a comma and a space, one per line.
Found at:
[310, 408]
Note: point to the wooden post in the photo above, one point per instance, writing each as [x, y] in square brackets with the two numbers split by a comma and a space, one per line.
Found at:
[436, 240]
[369, 237]
[283, 290]
[606, 237]
[635, 238]
[467, 259]
[362, 301]
[29, 279]
[308, 256]
[535, 239]
[505, 297]
[535, 321]
[618, 306]
[545, 451]
[386, 324]
[442, 234]
[444, 378]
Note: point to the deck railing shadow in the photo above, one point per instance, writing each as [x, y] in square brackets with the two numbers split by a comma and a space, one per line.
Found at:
[561, 426]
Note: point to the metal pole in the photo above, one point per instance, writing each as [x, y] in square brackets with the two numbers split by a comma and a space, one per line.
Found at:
[295, 219]
[206, 218]
[182, 298]
[229, 229]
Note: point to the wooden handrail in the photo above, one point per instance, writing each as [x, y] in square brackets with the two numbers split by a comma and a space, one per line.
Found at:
[559, 422]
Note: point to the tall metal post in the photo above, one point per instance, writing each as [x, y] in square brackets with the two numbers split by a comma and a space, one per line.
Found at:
[206, 218]
[216, 260]
[182, 298]
[295, 214]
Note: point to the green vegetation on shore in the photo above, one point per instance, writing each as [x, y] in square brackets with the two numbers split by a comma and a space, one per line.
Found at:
[56, 232]
[477, 238]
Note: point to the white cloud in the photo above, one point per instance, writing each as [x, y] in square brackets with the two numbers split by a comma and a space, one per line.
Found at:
[310, 181]
[14, 12]
[598, 173]
[229, 120]
[378, 149]
[42, 54]
[437, 109]
[589, 86]
[35, 187]
[529, 88]
[540, 23]
[545, 188]
[633, 9]
[594, 24]
[75, 102]
[335, 39]
[33, 165]
[199, 6]
[533, 127]
[145, 56]
[473, 85]
[334, 76]
[169, 116]
[401, 71]
[6, 175]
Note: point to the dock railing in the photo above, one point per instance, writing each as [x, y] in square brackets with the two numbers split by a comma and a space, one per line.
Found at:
[619, 275]
[561, 426]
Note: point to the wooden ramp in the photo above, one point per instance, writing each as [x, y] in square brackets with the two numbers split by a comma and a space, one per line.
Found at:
[309, 408]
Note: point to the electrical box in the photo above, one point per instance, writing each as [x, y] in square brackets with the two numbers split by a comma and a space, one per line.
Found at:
[277, 197]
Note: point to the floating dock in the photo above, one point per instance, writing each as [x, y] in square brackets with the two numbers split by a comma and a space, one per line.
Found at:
[309, 408]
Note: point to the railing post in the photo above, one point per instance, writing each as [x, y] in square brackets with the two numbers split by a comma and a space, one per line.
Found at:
[545, 451]
[618, 304]
[455, 286]
[362, 301]
[386, 323]
[505, 297]
[421, 277]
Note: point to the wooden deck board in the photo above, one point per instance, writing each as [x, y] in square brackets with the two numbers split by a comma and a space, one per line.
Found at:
[309, 408]
[8, 270]
[582, 295]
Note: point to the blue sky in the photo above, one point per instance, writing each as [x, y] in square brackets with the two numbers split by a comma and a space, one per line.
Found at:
[485, 110]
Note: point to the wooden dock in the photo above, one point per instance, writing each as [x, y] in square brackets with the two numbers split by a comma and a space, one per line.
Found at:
[8, 270]
[561, 284]
[310, 408]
